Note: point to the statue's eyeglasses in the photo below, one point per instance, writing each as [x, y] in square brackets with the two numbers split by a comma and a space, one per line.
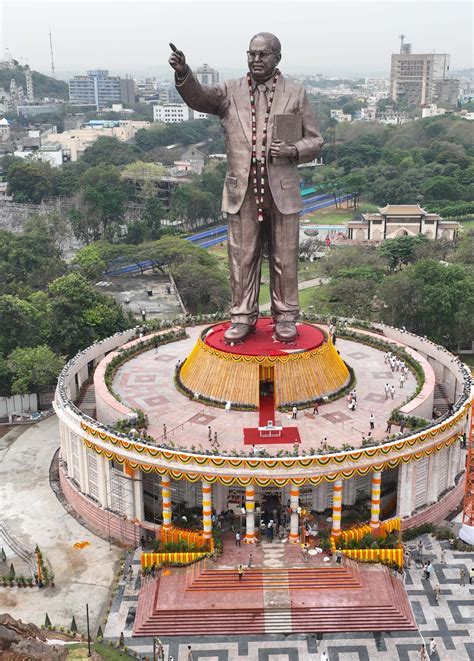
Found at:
[263, 54]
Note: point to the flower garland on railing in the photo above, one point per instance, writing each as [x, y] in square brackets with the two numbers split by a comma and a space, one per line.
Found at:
[311, 458]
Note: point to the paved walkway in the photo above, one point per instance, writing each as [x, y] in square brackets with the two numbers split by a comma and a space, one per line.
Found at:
[449, 622]
[31, 514]
[146, 382]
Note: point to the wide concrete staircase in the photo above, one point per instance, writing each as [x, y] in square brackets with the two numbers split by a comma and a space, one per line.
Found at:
[322, 599]
[201, 577]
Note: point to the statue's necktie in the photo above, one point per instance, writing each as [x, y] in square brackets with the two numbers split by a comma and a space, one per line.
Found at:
[261, 109]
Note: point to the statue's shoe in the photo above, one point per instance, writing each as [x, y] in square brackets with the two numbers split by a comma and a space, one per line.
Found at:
[238, 332]
[285, 331]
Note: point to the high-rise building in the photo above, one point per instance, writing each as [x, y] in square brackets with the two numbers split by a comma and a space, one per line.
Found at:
[99, 88]
[420, 79]
[29, 85]
[207, 75]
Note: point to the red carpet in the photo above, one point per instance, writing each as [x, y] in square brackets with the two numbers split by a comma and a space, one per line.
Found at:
[289, 435]
[266, 410]
[262, 343]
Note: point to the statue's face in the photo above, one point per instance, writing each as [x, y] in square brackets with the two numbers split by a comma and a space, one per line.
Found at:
[261, 58]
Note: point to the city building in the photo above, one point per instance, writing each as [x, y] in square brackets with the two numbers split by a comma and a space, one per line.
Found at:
[395, 220]
[51, 152]
[432, 111]
[340, 116]
[38, 109]
[420, 79]
[77, 140]
[207, 75]
[98, 88]
[174, 113]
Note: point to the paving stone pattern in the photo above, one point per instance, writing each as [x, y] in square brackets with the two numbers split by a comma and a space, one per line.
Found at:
[450, 622]
[147, 382]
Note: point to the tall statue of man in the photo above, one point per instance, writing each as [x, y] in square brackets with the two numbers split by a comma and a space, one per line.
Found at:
[262, 190]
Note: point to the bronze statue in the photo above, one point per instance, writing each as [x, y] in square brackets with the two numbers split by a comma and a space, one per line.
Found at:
[269, 128]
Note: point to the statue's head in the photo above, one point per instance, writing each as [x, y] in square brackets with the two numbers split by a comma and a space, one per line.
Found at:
[263, 55]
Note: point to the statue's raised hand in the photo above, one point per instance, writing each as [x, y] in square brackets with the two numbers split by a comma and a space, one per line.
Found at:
[177, 60]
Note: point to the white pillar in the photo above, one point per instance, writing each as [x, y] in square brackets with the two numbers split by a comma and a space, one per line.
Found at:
[320, 496]
[375, 500]
[219, 496]
[83, 469]
[166, 498]
[451, 465]
[206, 509]
[405, 490]
[294, 520]
[433, 471]
[138, 494]
[250, 514]
[68, 458]
[336, 508]
[103, 477]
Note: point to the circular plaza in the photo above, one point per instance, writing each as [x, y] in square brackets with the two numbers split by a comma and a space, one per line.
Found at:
[179, 447]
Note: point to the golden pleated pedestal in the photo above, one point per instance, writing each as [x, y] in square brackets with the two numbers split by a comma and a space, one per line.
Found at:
[303, 371]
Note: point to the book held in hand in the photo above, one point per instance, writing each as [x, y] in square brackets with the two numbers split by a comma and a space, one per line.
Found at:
[288, 128]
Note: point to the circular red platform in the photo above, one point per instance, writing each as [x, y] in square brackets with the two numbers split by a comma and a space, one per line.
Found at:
[262, 343]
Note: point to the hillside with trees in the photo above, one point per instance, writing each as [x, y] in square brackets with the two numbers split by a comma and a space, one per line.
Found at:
[44, 86]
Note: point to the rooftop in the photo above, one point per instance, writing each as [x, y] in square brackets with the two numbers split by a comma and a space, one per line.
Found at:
[402, 210]
[146, 382]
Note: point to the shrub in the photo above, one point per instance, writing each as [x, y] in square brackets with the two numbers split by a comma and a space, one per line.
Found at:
[411, 533]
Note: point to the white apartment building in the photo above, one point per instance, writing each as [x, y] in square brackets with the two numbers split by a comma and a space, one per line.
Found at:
[175, 113]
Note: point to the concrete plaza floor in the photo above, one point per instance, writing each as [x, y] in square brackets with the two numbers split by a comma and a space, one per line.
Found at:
[31, 514]
[146, 382]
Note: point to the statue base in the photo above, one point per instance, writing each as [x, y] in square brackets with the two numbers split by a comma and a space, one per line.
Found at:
[299, 372]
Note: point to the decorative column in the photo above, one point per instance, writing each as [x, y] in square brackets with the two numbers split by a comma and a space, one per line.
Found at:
[138, 494]
[166, 498]
[250, 511]
[294, 520]
[336, 508]
[375, 500]
[206, 510]
[433, 472]
[83, 467]
[103, 477]
[405, 490]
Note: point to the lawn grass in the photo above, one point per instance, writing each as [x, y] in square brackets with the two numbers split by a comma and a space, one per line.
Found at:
[333, 216]
[77, 652]
[306, 298]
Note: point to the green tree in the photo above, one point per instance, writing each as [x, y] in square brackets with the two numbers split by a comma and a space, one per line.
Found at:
[432, 299]
[202, 289]
[80, 315]
[33, 369]
[28, 261]
[441, 188]
[110, 151]
[402, 250]
[102, 203]
[31, 181]
[20, 322]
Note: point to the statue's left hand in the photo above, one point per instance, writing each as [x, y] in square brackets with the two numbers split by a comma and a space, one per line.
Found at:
[279, 149]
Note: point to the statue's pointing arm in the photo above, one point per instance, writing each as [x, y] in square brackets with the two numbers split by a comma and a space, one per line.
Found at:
[203, 98]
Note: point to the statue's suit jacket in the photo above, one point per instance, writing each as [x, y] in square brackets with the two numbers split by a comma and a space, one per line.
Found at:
[230, 100]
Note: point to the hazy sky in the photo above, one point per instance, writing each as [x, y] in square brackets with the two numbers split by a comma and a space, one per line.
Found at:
[331, 37]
